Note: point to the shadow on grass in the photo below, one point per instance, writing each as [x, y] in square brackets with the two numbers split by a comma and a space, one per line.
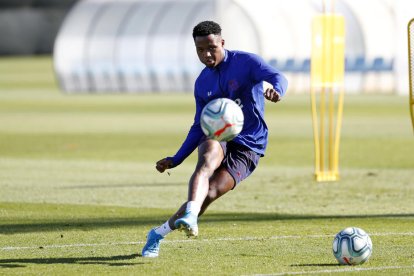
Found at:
[110, 261]
[149, 220]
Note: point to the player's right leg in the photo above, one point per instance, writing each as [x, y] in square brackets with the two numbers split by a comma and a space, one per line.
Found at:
[239, 162]
[210, 155]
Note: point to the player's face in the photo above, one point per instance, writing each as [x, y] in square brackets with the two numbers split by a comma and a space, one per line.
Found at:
[210, 49]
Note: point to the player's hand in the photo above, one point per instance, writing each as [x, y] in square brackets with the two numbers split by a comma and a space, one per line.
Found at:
[164, 164]
[272, 95]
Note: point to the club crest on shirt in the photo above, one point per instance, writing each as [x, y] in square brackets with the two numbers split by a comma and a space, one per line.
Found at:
[233, 85]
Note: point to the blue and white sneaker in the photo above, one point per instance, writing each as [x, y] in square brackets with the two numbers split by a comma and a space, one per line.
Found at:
[188, 223]
[152, 247]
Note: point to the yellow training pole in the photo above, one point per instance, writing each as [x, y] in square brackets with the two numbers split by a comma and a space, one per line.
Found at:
[327, 82]
[411, 66]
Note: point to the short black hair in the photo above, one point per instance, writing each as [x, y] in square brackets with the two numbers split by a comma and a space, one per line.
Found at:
[206, 28]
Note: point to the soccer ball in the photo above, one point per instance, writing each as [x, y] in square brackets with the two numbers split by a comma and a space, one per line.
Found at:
[221, 119]
[352, 246]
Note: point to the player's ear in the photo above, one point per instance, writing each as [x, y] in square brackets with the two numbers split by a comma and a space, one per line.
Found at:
[222, 42]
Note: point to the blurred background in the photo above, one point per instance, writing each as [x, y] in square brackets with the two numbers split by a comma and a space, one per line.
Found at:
[141, 46]
[29, 27]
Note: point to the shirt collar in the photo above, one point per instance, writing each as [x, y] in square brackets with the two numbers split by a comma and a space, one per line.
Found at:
[224, 61]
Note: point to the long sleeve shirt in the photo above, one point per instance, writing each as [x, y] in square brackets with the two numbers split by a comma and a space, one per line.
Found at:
[238, 77]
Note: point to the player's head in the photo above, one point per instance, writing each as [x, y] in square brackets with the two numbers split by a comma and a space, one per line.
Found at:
[209, 43]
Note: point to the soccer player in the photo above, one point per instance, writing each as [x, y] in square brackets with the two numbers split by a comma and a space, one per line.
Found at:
[221, 166]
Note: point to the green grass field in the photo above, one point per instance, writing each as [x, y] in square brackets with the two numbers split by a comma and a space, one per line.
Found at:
[79, 189]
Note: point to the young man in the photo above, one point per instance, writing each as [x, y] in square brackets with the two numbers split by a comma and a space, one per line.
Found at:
[221, 165]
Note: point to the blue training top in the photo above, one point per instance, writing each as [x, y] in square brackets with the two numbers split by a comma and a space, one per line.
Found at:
[238, 77]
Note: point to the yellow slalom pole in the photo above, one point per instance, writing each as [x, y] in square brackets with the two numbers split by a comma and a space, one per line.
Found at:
[410, 32]
[331, 129]
[327, 79]
[331, 90]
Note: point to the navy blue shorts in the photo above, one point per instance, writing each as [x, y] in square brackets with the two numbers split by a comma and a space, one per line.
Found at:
[239, 160]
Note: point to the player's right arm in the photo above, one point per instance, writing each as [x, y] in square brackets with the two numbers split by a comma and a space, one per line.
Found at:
[189, 145]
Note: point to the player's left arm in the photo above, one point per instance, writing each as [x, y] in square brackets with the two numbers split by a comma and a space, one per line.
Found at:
[262, 71]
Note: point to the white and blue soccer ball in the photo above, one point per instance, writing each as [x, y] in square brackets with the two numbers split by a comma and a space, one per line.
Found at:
[352, 246]
[222, 119]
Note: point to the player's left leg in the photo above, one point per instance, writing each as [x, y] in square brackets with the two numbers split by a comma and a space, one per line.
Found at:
[220, 183]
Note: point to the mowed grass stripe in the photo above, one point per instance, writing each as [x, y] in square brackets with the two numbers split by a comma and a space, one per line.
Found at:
[340, 270]
[196, 240]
